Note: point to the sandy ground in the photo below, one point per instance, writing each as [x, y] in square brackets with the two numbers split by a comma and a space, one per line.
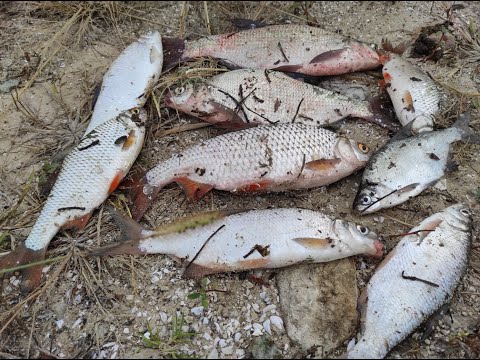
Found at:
[105, 308]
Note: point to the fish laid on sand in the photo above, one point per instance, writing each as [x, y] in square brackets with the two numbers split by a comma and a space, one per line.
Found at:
[264, 158]
[295, 48]
[414, 280]
[89, 174]
[404, 168]
[225, 241]
[414, 94]
[128, 80]
[248, 97]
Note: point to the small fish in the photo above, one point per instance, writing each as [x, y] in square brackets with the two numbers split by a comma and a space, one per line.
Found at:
[263, 158]
[128, 80]
[89, 174]
[405, 167]
[413, 281]
[225, 241]
[247, 97]
[296, 48]
[414, 94]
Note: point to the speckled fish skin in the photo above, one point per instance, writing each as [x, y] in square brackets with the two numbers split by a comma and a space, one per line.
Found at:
[394, 306]
[404, 168]
[297, 48]
[223, 241]
[247, 97]
[89, 174]
[414, 94]
[264, 158]
[129, 78]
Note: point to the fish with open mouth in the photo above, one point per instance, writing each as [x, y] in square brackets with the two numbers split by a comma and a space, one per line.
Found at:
[404, 168]
[90, 172]
[414, 94]
[264, 158]
[126, 83]
[294, 48]
[226, 241]
[249, 97]
[413, 281]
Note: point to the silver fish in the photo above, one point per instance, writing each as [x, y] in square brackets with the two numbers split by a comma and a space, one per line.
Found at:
[296, 48]
[248, 97]
[264, 158]
[414, 94]
[220, 241]
[404, 168]
[89, 173]
[414, 280]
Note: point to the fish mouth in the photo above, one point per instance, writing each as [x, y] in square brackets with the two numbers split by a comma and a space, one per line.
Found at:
[379, 249]
[168, 100]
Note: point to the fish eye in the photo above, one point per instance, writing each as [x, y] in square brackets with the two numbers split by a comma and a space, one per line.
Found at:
[363, 230]
[363, 148]
[179, 90]
[136, 111]
[466, 212]
[366, 200]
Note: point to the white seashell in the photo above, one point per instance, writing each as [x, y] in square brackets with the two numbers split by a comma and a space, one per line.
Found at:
[277, 323]
[351, 344]
[197, 310]
[237, 337]
[266, 326]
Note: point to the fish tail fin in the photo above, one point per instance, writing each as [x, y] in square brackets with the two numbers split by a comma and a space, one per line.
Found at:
[132, 233]
[142, 194]
[31, 276]
[173, 49]
[467, 134]
[382, 113]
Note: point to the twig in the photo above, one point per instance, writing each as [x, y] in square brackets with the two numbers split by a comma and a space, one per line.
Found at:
[199, 251]
[31, 334]
[5, 355]
[413, 278]
[205, 7]
[410, 233]
[25, 266]
[182, 128]
[396, 220]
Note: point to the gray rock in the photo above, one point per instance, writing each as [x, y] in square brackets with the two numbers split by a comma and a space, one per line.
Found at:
[8, 85]
[318, 303]
[264, 348]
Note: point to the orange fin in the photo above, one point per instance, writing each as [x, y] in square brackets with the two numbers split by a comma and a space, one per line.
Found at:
[130, 140]
[193, 190]
[322, 164]
[31, 276]
[142, 194]
[254, 187]
[387, 77]
[408, 101]
[116, 181]
[313, 243]
[78, 222]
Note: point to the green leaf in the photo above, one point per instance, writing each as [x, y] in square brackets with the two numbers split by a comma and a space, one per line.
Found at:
[194, 296]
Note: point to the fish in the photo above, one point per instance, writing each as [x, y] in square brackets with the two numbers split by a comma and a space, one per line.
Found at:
[414, 94]
[413, 281]
[90, 172]
[259, 159]
[248, 97]
[228, 241]
[405, 167]
[294, 48]
[129, 78]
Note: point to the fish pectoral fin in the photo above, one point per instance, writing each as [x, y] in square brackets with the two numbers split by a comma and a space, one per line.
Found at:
[322, 164]
[116, 181]
[407, 188]
[78, 223]
[130, 140]
[254, 187]
[408, 101]
[313, 243]
[230, 119]
[327, 56]
[193, 190]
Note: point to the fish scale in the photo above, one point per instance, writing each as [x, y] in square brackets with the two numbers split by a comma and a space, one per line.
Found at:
[265, 158]
[396, 306]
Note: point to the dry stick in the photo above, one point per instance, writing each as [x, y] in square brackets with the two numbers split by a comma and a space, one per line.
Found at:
[205, 7]
[396, 220]
[183, 128]
[9, 356]
[260, 11]
[25, 266]
[31, 334]
[183, 15]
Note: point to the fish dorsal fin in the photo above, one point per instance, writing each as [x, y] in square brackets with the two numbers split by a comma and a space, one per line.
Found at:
[314, 243]
[404, 133]
[194, 221]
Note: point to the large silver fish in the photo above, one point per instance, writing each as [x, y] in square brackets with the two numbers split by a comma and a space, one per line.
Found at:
[89, 174]
[126, 83]
[404, 168]
[414, 94]
[296, 48]
[222, 241]
[414, 280]
[264, 158]
[248, 97]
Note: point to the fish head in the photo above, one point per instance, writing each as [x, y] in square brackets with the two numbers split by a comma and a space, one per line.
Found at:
[372, 197]
[191, 98]
[354, 153]
[137, 114]
[458, 216]
[357, 239]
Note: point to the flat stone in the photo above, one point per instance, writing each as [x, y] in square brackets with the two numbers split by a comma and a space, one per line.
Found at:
[8, 85]
[264, 348]
[318, 303]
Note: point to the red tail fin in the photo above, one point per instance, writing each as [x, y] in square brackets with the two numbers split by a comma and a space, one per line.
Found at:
[142, 194]
[31, 276]
[172, 52]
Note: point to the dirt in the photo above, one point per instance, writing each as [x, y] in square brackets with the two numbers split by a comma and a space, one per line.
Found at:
[107, 308]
